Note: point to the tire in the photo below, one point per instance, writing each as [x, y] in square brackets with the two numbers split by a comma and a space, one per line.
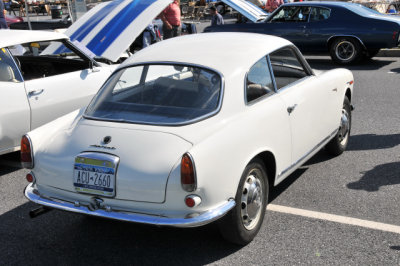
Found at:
[345, 51]
[251, 200]
[339, 143]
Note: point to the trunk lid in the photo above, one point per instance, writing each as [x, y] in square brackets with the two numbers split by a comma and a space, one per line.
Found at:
[146, 158]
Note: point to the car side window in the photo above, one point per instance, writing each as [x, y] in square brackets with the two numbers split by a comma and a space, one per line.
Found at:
[292, 14]
[287, 67]
[319, 14]
[259, 81]
[8, 70]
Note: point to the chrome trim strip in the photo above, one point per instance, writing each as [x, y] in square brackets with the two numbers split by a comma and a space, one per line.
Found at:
[344, 35]
[189, 221]
[198, 119]
[299, 161]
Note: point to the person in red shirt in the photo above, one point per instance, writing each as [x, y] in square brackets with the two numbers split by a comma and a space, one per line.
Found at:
[171, 18]
[273, 4]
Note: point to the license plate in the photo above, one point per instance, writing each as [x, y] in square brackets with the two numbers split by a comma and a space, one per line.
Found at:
[94, 176]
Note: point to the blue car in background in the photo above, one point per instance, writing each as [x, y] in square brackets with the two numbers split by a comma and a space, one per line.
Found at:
[347, 31]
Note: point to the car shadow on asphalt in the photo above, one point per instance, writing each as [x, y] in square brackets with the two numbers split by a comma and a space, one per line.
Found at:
[381, 175]
[65, 238]
[319, 157]
[9, 163]
[373, 142]
[325, 63]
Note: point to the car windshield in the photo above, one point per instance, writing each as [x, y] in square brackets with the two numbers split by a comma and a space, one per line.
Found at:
[41, 49]
[158, 94]
[362, 10]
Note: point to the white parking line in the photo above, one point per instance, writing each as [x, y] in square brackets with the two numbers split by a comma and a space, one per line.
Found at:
[335, 218]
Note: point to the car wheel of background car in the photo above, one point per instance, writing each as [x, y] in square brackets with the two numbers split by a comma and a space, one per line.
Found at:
[243, 222]
[339, 143]
[345, 50]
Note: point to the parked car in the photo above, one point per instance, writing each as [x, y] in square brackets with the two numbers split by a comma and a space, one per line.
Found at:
[10, 19]
[44, 75]
[43, 25]
[347, 31]
[191, 136]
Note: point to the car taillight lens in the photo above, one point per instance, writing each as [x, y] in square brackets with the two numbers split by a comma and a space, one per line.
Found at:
[26, 152]
[188, 173]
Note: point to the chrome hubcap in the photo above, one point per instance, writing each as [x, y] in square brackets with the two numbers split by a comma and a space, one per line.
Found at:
[344, 127]
[252, 199]
[345, 50]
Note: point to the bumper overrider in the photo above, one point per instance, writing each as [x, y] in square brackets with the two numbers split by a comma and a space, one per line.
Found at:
[190, 220]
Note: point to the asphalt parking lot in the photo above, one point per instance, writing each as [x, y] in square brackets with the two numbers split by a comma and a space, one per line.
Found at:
[347, 195]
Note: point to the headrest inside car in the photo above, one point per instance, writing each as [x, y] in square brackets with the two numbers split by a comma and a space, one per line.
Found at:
[6, 72]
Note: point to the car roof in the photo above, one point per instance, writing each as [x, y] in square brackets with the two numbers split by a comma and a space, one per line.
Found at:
[224, 52]
[14, 37]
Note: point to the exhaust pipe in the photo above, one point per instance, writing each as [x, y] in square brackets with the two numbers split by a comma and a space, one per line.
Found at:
[39, 211]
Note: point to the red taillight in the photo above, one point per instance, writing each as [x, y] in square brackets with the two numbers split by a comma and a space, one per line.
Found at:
[26, 152]
[30, 178]
[190, 202]
[188, 173]
[394, 35]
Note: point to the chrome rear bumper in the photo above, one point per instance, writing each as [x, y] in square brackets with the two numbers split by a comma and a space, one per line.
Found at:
[191, 220]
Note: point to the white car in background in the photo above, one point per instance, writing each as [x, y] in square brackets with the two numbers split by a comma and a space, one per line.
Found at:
[189, 136]
[44, 75]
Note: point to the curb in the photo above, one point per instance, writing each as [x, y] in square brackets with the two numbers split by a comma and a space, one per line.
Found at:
[389, 53]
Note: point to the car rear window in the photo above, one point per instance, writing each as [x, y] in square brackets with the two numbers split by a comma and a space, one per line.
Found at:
[159, 94]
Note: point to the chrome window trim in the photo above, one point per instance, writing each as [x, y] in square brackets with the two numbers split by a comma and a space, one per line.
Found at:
[264, 96]
[330, 13]
[302, 61]
[193, 121]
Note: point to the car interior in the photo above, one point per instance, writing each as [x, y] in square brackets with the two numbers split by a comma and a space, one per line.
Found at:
[34, 63]
[173, 98]
[33, 67]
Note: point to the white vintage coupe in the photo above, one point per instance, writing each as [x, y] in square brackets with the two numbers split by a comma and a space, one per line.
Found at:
[183, 135]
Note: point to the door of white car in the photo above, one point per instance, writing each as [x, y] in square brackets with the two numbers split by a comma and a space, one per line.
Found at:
[55, 96]
[307, 100]
[58, 83]
[14, 112]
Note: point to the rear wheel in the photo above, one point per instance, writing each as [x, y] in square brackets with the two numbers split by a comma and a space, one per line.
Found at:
[244, 221]
[339, 143]
[345, 51]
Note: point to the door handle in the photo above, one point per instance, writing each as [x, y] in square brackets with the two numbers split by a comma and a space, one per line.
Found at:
[35, 92]
[290, 109]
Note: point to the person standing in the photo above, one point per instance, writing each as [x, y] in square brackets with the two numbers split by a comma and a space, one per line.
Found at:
[273, 4]
[216, 18]
[3, 23]
[171, 18]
